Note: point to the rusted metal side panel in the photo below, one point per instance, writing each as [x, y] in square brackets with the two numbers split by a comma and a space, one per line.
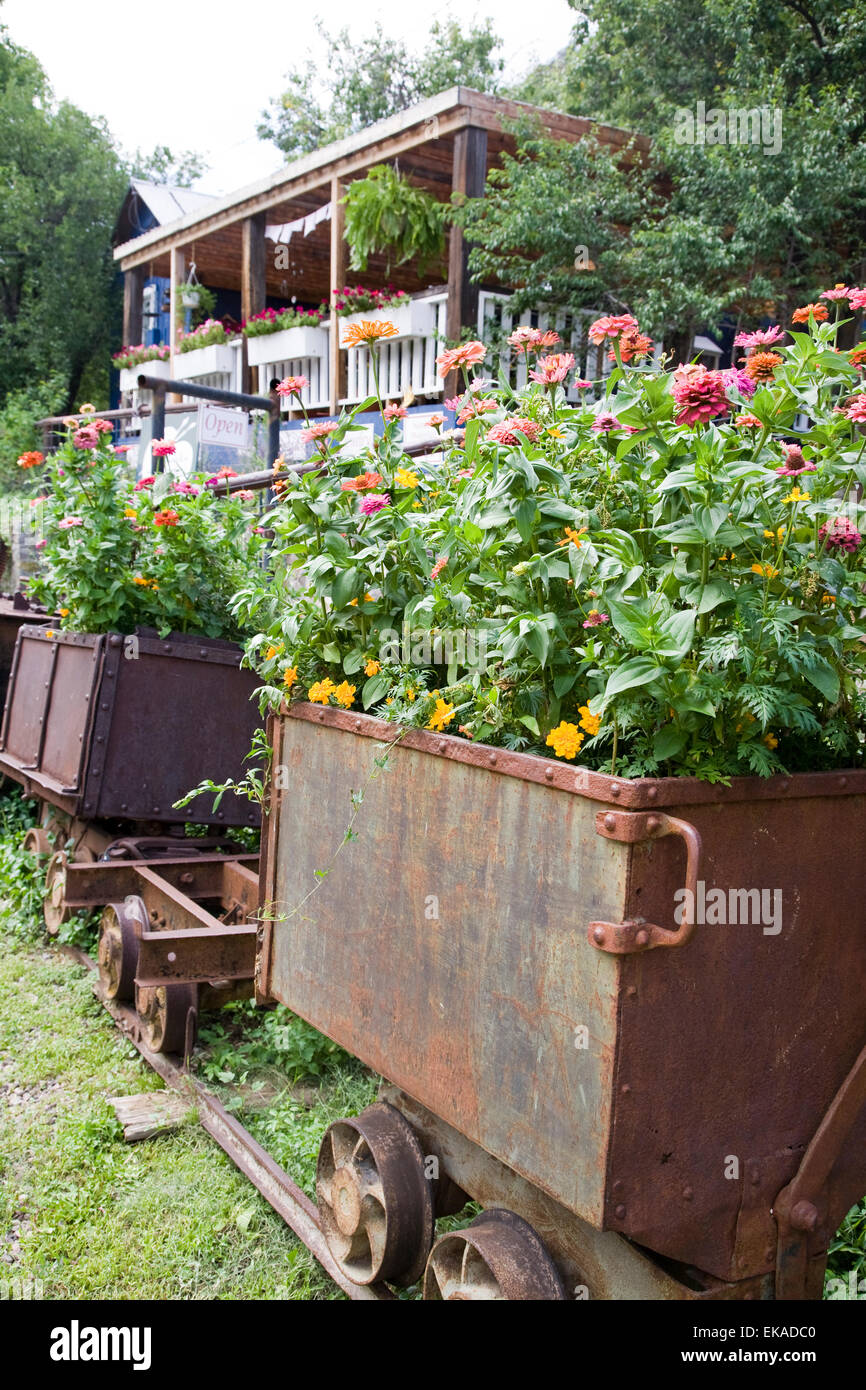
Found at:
[195, 688]
[446, 945]
[24, 718]
[732, 1047]
[68, 722]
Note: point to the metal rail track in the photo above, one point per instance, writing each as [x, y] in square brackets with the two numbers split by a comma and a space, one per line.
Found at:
[274, 1184]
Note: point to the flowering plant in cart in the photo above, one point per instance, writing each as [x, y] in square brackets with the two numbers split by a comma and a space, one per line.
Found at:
[118, 554]
[667, 581]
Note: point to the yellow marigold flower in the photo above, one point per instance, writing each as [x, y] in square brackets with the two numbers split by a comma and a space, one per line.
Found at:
[271, 653]
[140, 579]
[290, 677]
[765, 571]
[368, 598]
[442, 715]
[130, 511]
[795, 495]
[344, 694]
[828, 598]
[320, 693]
[565, 740]
[572, 537]
[590, 722]
[410, 695]
[64, 612]
[368, 332]
[404, 477]
[771, 741]
[555, 432]
[777, 535]
[372, 668]
[353, 603]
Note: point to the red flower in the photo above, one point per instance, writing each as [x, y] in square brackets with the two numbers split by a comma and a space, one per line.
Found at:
[700, 393]
[160, 448]
[166, 518]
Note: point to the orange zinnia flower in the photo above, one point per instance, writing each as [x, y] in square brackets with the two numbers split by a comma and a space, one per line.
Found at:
[368, 332]
[468, 355]
[761, 366]
[31, 459]
[362, 483]
[818, 312]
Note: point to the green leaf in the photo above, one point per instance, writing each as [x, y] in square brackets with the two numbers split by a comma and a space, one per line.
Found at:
[375, 689]
[668, 742]
[640, 670]
[825, 679]
[524, 516]
[531, 723]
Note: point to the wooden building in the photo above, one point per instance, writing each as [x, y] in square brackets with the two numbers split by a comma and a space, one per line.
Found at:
[445, 144]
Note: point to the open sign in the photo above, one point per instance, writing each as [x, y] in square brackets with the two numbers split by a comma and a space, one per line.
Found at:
[220, 425]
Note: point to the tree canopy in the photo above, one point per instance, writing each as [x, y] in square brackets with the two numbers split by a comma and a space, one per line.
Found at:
[375, 77]
[726, 225]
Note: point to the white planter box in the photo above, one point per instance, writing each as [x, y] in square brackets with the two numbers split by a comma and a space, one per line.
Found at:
[417, 319]
[287, 346]
[129, 375]
[218, 357]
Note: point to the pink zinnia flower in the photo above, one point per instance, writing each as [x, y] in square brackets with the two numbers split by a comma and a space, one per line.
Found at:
[292, 385]
[506, 431]
[40, 545]
[318, 431]
[395, 412]
[122, 448]
[161, 448]
[740, 382]
[69, 521]
[580, 384]
[554, 368]
[245, 495]
[856, 408]
[374, 502]
[465, 473]
[612, 326]
[838, 292]
[595, 618]
[439, 567]
[435, 421]
[86, 438]
[795, 463]
[527, 339]
[145, 482]
[699, 393]
[760, 337]
[466, 355]
[857, 298]
[605, 422]
[472, 408]
[188, 489]
[101, 426]
[453, 402]
[840, 534]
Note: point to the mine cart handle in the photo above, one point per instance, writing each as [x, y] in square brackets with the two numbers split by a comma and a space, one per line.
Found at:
[631, 827]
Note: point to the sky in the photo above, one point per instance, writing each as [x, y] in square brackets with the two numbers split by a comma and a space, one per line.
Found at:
[196, 75]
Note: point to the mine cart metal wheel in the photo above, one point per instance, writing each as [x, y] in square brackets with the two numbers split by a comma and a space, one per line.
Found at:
[375, 1202]
[54, 908]
[118, 951]
[163, 1011]
[37, 841]
[499, 1257]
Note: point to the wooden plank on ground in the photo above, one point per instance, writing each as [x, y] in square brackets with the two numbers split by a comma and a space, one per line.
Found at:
[150, 1113]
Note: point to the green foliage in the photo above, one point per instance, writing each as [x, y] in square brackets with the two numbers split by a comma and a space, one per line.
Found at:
[18, 432]
[181, 170]
[386, 213]
[63, 184]
[369, 79]
[658, 597]
[241, 1039]
[167, 554]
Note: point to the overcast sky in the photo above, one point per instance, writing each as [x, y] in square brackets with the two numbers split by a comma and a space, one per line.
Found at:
[195, 74]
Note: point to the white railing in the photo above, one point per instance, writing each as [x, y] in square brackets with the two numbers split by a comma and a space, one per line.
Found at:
[405, 364]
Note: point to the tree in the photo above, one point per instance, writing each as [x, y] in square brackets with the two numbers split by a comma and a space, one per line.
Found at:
[714, 227]
[162, 166]
[374, 77]
[62, 186]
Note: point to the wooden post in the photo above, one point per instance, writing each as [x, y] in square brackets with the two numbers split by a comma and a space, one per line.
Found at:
[177, 275]
[133, 287]
[468, 178]
[337, 358]
[253, 283]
